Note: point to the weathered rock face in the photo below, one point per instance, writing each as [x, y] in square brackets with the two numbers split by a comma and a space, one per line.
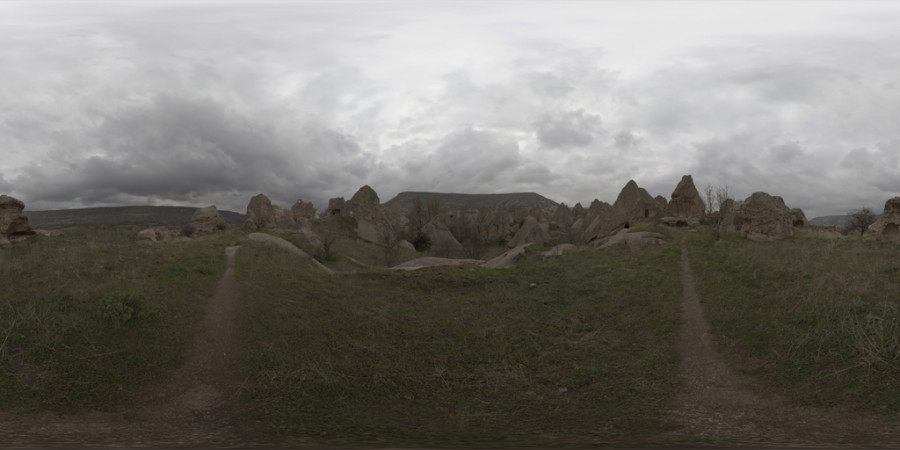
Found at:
[634, 203]
[761, 217]
[562, 217]
[260, 213]
[303, 210]
[798, 219]
[686, 201]
[335, 206]
[12, 221]
[364, 203]
[887, 227]
[207, 220]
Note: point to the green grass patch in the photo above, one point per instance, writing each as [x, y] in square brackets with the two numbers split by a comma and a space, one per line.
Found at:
[573, 351]
[87, 317]
[817, 319]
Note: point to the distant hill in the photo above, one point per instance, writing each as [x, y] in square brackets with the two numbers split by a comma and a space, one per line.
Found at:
[838, 221]
[404, 200]
[143, 216]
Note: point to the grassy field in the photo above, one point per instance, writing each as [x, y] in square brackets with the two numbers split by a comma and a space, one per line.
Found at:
[817, 319]
[87, 317]
[573, 351]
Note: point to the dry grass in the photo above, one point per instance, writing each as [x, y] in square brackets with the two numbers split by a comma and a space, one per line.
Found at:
[86, 317]
[818, 319]
[464, 356]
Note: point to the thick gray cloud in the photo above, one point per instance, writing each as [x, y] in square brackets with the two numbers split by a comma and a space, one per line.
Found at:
[213, 102]
[569, 129]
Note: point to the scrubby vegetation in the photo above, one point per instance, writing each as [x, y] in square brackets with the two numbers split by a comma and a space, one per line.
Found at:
[574, 350]
[817, 319]
[87, 317]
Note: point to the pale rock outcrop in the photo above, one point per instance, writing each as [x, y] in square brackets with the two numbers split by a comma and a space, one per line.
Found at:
[207, 220]
[557, 251]
[156, 233]
[432, 261]
[267, 240]
[686, 202]
[406, 245]
[13, 221]
[508, 258]
[531, 231]
[632, 240]
[761, 217]
[442, 240]
[887, 227]
[260, 213]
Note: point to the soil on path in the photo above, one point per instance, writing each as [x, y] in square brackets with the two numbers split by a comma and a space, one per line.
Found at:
[718, 406]
[198, 405]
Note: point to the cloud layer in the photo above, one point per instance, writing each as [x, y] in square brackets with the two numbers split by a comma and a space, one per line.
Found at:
[206, 103]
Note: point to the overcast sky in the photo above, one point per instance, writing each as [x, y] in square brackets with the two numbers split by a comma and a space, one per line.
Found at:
[198, 103]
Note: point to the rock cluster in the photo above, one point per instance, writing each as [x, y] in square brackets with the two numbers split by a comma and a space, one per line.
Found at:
[887, 227]
[13, 222]
[761, 217]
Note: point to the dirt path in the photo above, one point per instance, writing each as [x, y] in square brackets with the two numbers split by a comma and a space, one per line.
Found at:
[198, 404]
[719, 406]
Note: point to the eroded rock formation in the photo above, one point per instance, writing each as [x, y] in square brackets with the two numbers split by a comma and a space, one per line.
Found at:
[887, 227]
[207, 220]
[13, 222]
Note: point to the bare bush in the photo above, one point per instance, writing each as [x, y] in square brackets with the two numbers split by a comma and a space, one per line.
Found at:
[860, 219]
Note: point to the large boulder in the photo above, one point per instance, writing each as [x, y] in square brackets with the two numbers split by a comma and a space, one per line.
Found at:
[761, 217]
[887, 227]
[12, 221]
[207, 220]
[686, 201]
[260, 213]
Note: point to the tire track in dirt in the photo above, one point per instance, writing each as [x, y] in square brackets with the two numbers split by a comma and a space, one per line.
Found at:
[197, 405]
[716, 405]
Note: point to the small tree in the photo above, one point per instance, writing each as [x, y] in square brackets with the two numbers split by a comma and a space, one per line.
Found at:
[860, 219]
[708, 195]
[390, 246]
[721, 196]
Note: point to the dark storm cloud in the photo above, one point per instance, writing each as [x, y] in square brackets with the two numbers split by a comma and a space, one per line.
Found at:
[568, 129]
[194, 149]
